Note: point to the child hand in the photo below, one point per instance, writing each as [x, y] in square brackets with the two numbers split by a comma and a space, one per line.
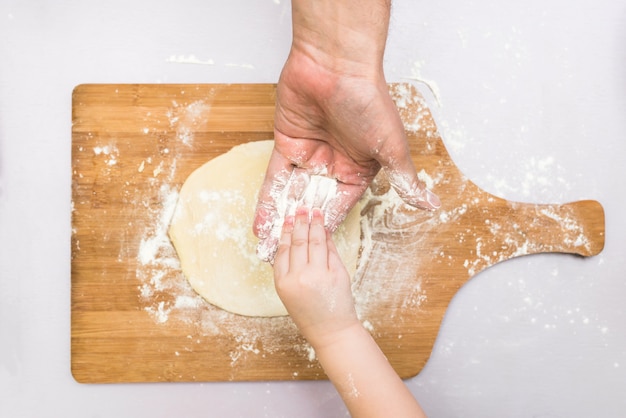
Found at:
[311, 279]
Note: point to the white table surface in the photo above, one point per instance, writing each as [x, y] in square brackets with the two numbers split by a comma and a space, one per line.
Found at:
[532, 108]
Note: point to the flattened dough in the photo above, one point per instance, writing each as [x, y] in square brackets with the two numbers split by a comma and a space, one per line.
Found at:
[212, 232]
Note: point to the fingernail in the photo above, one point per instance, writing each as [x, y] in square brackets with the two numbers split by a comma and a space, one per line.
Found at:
[302, 215]
[289, 221]
[432, 199]
[317, 216]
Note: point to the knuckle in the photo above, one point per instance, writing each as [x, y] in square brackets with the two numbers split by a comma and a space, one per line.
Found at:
[299, 242]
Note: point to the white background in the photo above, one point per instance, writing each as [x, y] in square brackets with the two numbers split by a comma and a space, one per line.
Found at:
[531, 106]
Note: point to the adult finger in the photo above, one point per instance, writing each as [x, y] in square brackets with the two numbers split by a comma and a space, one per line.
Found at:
[395, 159]
[338, 208]
[285, 202]
[412, 190]
[276, 176]
[281, 261]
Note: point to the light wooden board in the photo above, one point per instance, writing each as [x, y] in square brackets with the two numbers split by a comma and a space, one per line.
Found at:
[134, 317]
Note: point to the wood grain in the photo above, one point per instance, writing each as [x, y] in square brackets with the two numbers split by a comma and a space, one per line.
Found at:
[135, 319]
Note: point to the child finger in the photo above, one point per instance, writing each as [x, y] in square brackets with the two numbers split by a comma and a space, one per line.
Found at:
[318, 251]
[334, 259]
[298, 252]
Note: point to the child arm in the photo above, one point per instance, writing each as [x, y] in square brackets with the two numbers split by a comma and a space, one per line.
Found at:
[315, 288]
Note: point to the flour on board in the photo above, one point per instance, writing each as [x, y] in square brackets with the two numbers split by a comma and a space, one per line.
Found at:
[163, 291]
[167, 297]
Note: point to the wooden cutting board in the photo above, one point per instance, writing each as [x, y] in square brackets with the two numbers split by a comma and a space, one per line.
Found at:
[135, 318]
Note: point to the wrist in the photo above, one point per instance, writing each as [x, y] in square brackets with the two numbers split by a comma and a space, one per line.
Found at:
[339, 340]
[343, 36]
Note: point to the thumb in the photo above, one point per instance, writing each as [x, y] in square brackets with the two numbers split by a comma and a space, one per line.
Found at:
[412, 190]
[398, 165]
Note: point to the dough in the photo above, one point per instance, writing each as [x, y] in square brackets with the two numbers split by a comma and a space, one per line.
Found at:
[212, 232]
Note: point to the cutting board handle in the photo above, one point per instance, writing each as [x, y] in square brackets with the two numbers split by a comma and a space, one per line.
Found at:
[575, 227]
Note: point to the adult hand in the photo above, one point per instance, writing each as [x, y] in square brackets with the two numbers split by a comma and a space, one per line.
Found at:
[334, 115]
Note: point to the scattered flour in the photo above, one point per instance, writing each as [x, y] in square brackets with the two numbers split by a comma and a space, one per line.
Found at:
[540, 175]
[163, 291]
[192, 59]
[110, 152]
[426, 179]
[188, 59]
[416, 75]
[166, 295]
[158, 267]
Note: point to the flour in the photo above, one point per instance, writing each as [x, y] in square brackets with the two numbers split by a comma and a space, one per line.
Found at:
[163, 292]
[106, 150]
[413, 108]
[416, 75]
[427, 179]
[166, 294]
[389, 263]
[155, 245]
[158, 267]
[192, 59]
[353, 391]
[298, 189]
[188, 119]
[189, 59]
[167, 297]
[539, 176]
[110, 152]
